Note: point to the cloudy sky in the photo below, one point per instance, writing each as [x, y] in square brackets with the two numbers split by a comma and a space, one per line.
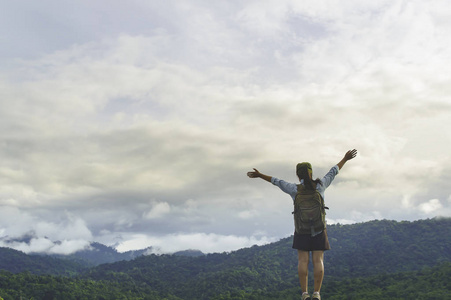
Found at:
[133, 123]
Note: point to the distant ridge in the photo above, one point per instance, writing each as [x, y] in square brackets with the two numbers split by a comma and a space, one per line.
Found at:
[373, 237]
[189, 252]
[98, 254]
[95, 255]
[16, 262]
[358, 250]
[386, 251]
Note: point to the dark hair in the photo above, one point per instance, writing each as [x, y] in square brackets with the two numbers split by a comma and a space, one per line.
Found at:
[310, 184]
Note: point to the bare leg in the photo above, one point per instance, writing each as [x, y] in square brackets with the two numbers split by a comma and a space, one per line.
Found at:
[303, 260]
[318, 269]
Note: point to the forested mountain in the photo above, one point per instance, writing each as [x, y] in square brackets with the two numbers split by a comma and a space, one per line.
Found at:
[98, 254]
[387, 246]
[366, 260]
[16, 261]
[358, 250]
[430, 283]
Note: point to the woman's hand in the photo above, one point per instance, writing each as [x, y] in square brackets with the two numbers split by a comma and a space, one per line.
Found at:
[350, 154]
[255, 174]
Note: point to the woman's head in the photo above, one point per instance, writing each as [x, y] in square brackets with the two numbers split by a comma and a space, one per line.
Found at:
[304, 172]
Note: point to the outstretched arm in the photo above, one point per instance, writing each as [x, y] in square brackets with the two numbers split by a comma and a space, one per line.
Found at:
[348, 156]
[257, 174]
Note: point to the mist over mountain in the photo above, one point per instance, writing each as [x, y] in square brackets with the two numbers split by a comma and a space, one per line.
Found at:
[97, 254]
[383, 250]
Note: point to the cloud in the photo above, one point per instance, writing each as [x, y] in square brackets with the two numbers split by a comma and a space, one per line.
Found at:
[207, 243]
[45, 245]
[432, 206]
[246, 214]
[132, 128]
[158, 210]
[33, 233]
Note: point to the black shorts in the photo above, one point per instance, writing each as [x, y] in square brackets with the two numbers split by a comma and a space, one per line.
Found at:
[306, 242]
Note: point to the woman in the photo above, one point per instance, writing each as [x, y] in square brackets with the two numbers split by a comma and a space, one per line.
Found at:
[315, 242]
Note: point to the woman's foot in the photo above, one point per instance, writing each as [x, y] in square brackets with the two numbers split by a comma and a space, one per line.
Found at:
[305, 296]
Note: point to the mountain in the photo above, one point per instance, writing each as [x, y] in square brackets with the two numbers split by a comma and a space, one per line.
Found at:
[97, 254]
[429, 283]
[16, 261]
[358, 250]
[189, 252]
[387, 246]
[366, 260]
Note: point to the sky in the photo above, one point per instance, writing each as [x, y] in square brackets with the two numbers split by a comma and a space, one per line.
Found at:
[133, 123]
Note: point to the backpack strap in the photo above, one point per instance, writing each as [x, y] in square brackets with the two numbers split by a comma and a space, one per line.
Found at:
[302, 188]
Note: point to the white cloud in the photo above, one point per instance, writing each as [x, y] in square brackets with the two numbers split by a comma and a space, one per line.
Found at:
[432, 206]
[341, 221]
[207, 243]
[158, 210]
[32, 233]
[355, 216]
[247, 214]
[67, 247]
[179, 109]
[39, 245]
[44, 245]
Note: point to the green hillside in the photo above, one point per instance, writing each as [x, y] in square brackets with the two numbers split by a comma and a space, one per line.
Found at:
[430, 283]
[358, 250]
[16, 262]
[366, 261]
[387, 246]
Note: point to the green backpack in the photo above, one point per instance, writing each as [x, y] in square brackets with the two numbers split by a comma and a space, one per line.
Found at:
[309, 211]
